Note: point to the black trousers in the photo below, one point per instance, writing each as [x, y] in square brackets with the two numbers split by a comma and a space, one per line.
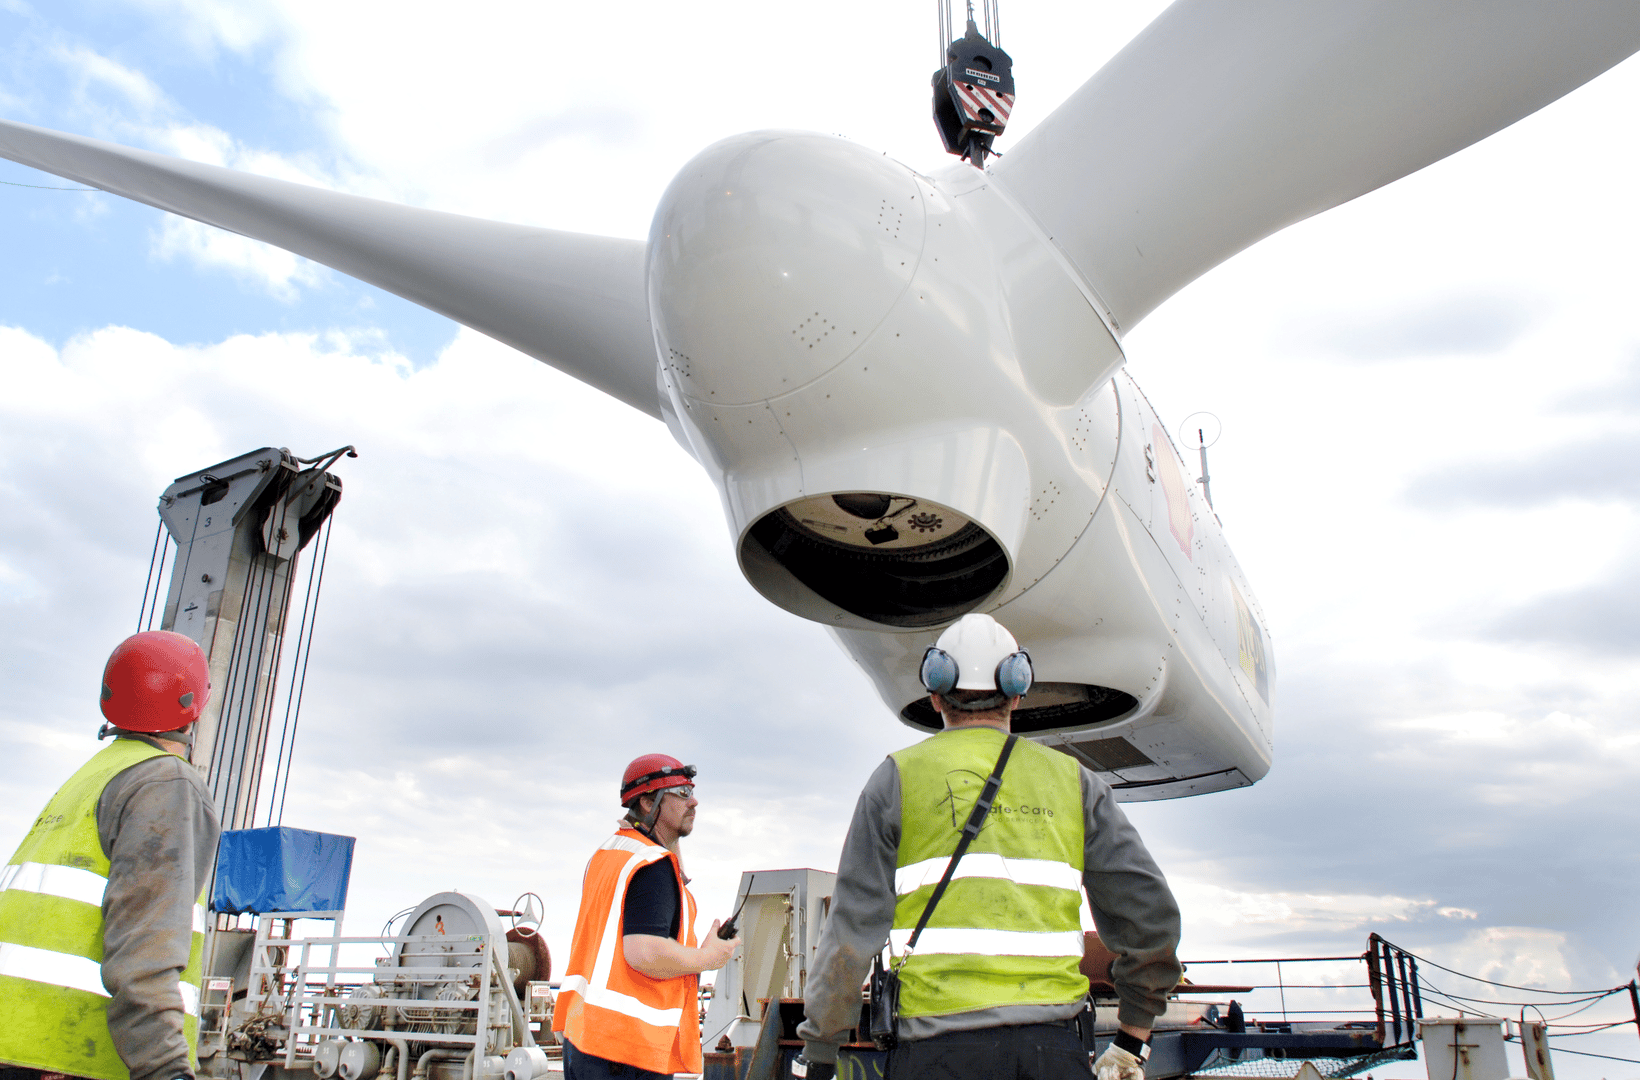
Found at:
[1026, 1052]
[581, 1066]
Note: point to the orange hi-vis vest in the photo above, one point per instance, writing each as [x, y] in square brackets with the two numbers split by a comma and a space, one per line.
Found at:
[606, 1007]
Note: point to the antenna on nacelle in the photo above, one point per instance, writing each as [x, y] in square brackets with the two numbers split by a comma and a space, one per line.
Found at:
[1194, 432]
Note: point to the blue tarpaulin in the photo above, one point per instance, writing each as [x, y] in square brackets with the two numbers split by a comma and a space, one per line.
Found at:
[262, 870]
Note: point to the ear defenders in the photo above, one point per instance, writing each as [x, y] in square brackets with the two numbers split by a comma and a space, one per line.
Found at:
[940, 671]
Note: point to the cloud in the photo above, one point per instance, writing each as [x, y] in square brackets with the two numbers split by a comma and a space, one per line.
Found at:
[132, 89]
[1459, 325]
[533, 136]
[527, 586]
[208, 27]
[528, 583]
[1603, 618]
[1597, 469]
[263, 266]
[1619, 395]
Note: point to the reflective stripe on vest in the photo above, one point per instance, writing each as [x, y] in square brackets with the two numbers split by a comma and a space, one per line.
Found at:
[1008, 929]
[606, 998]
[606, 1007]
[68, 882]
[950, 941]
[51, 928]
[53, 968]
[1058, 875]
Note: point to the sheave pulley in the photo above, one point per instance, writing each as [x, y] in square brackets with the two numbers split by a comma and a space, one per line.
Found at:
[974, 87]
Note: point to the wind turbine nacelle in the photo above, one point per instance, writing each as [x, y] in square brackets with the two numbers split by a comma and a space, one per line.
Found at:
[890, 378]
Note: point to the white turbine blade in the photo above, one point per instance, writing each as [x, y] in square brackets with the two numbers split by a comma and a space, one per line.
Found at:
[576, 302]
[1224, 122]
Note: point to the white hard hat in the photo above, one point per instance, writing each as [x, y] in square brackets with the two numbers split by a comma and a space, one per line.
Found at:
[976, 653]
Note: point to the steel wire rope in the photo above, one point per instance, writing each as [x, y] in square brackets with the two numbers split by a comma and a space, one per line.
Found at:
[1441, 999]
[1589, 1029]
[264, 714]
[296, 656]
[316, 474]
[300, 682]
[46, 187]
[246, 659]
[1456, 1000]
[1584, 1029]
[1587, 1053]
[1584, 1008]
[1185, 988]
[1490, 982]
[266, 710]
[250, 669]
[942, 14]
[229, 678]
[281, 767]
[245, 718]
[148, 582]
[159, 580]
[1356, 959]
[1587, 1002]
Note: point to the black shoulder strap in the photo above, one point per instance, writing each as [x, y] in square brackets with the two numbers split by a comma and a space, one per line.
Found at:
[975, 820]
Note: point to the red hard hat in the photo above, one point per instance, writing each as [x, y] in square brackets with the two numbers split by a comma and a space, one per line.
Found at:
[155, 681]
[652, 772]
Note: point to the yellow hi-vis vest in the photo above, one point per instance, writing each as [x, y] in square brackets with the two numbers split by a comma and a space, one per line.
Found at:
[1008, 930]
[53, 1006]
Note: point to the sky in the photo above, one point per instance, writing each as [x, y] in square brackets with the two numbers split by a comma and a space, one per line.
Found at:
[1430, 400]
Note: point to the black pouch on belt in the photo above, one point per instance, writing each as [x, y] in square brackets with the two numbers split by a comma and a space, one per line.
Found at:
[1084, 1025]
[885, 1004]
[885, 981]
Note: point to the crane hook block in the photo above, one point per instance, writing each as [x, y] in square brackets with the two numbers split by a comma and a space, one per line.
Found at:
[973, 95]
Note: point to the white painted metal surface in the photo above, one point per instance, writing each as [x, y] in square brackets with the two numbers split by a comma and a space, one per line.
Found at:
[779, 922]
[812, 320]
[1223, 123]
[1467, 1048]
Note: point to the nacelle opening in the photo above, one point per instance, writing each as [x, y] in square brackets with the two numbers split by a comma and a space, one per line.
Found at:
[892, 560]
[1050, 706]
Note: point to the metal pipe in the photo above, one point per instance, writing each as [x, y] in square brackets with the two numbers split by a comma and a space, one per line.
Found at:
[1406, 992]
[1375, 985]
[1394, 993]
[404, 1056]
[434, 1055]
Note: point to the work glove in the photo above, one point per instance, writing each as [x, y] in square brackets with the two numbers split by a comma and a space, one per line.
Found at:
[804, 1069]
[1117, 1064]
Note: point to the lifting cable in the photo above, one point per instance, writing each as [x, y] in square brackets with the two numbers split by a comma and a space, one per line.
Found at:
[265, 719]
[246, 661]
[151, 582]
[298, 684]
[1582, 999]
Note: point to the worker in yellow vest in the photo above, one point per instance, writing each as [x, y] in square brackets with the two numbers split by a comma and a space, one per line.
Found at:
[628, 1004]
[102, 913]
[992, 986]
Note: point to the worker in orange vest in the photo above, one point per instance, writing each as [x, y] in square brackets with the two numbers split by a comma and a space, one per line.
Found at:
[629, 1007]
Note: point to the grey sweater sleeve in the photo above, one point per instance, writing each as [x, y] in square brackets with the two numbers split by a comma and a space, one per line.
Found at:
[862, 912]
[1137, 917]
[160, 832]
